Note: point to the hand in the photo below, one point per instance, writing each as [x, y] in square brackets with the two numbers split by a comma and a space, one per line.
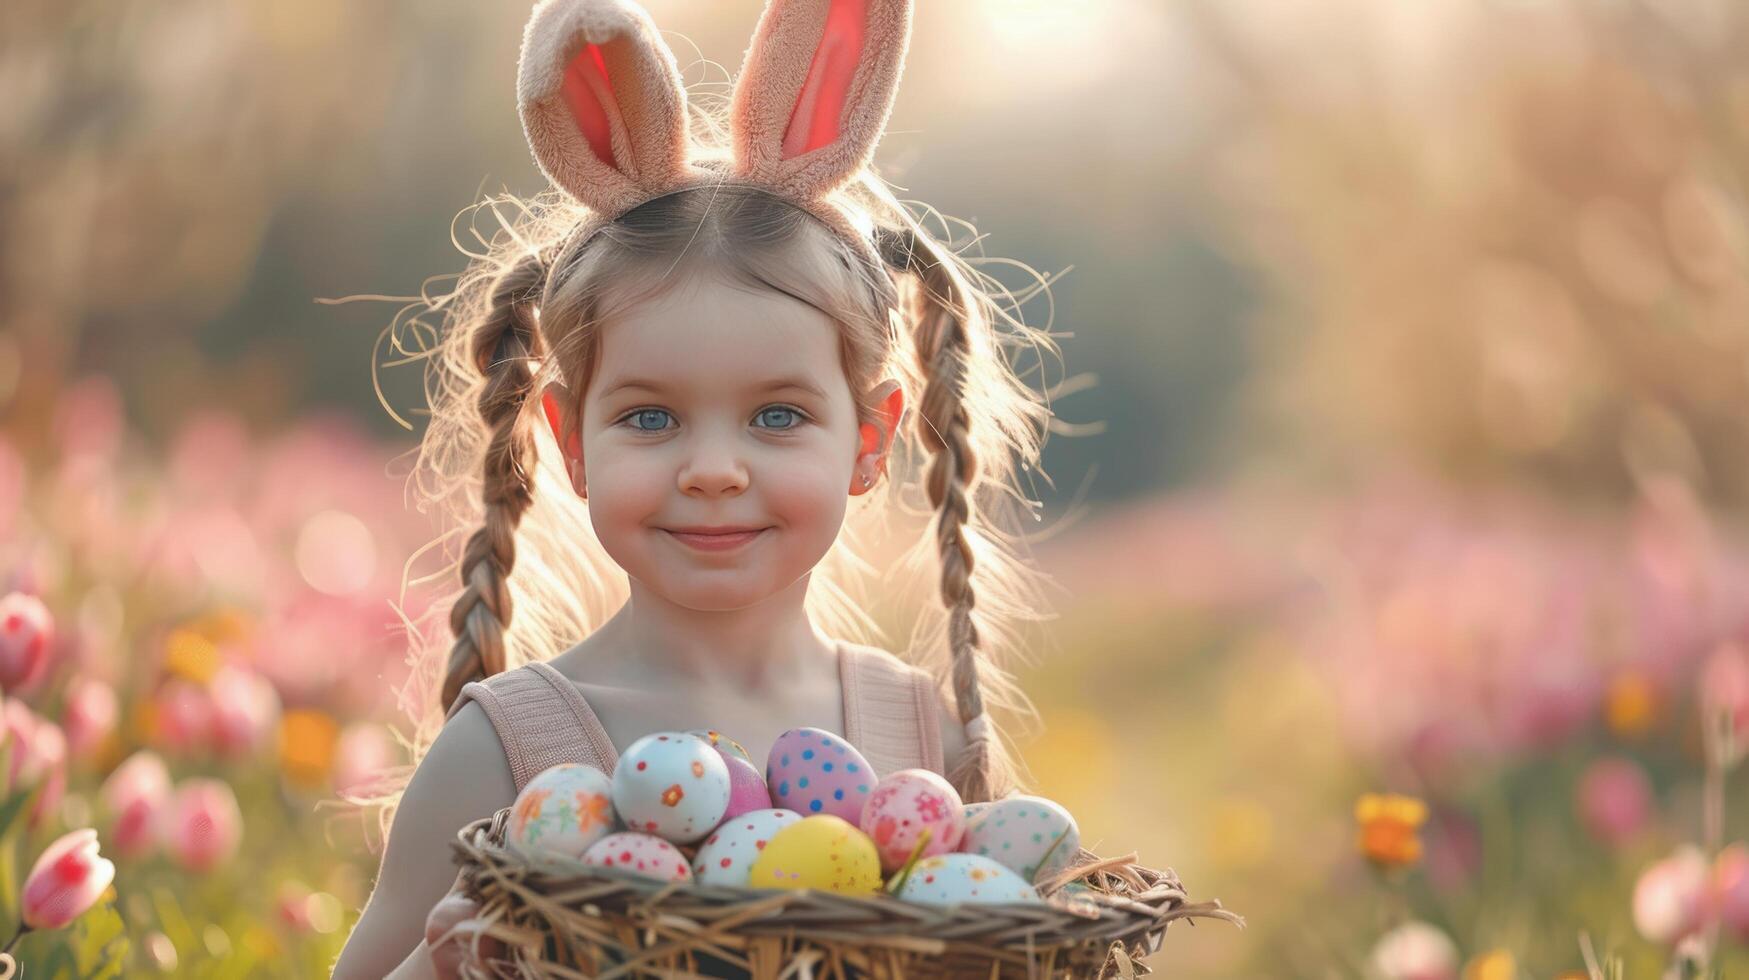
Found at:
[456, 912]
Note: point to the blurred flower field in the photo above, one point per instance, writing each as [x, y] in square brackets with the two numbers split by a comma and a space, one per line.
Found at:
[1397, 711]
[199, 655]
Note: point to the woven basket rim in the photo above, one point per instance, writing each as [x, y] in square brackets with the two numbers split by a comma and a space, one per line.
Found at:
[1132, 918]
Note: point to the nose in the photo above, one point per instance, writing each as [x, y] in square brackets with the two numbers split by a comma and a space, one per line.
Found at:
[713, 470]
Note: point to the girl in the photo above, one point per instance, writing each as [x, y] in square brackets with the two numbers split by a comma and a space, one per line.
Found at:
[728, 339]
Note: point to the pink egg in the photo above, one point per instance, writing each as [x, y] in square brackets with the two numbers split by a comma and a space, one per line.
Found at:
[643, 854]
[747, 791]
[906, 803]
[811, 771]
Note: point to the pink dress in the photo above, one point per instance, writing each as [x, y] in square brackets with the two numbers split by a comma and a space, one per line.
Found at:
[542, 719]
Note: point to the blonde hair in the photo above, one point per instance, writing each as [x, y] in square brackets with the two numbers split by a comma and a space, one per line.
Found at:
[534, 579]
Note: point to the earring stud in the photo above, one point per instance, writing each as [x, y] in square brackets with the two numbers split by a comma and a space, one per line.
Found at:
[867, 480]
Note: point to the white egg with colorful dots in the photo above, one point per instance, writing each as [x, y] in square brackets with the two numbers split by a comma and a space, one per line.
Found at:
[642, 854]
[562, 810]
[671, 784]
[1031, 835]
[813, 771]
[952, 879]
[726, 855]
[723, 743]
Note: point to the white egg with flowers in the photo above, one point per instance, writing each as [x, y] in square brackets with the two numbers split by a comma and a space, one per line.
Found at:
[562, 810]
[673, 785]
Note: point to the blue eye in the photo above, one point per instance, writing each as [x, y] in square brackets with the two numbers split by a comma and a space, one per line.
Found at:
[648, 419]
[777, 416]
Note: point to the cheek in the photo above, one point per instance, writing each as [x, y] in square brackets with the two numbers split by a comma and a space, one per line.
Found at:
[807, 492]
[624, 489]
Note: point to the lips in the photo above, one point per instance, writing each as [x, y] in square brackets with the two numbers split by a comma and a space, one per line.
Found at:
[724, 538]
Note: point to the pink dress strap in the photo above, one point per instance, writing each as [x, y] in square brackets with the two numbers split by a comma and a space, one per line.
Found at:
[889, 710]
[541, 719]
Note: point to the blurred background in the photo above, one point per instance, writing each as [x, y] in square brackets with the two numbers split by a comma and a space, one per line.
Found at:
[1406, 591]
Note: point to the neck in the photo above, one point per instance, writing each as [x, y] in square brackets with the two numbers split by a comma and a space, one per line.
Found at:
[754, 649]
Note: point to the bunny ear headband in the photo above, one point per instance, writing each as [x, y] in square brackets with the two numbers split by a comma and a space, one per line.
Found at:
[604, 107]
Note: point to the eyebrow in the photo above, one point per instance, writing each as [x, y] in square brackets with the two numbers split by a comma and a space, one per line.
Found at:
[774, 384]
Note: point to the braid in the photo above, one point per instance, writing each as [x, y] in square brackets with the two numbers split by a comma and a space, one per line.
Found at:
[943, 353]
[502, 345]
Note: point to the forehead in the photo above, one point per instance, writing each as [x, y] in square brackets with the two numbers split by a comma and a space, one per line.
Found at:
[708, 333]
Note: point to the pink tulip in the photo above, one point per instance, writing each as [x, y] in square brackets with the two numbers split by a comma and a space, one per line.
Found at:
[202, 825]
[184, 716]
[1731, 890]
[89, 715]
[1670, 897]
[364, 750]
[1724, 688]
[37, 754]
[1614, 799]
[27, 633]
[1415, 951]
[135, 794]
[245, 710]
[50, 748]
[293, 906]
[65, 881]
[19, 723]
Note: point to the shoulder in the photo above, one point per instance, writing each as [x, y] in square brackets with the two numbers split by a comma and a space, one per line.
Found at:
[465, 774]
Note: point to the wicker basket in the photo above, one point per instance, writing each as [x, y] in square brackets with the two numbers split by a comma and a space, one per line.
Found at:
[562, 919]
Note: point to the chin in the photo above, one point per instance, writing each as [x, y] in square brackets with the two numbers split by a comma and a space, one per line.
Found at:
[724, 596]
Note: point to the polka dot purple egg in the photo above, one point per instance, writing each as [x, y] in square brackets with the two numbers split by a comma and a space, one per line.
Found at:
[811, 771]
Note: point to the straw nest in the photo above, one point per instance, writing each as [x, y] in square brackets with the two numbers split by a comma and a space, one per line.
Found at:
[561, 919]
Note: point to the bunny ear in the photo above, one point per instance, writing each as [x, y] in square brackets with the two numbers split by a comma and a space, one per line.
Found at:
[816, 88]
[602, 102]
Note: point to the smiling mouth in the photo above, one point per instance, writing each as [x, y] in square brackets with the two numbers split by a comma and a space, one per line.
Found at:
[709, 540]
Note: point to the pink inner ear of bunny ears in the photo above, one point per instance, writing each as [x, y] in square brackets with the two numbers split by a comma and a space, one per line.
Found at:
[583, 88]
[820, 106]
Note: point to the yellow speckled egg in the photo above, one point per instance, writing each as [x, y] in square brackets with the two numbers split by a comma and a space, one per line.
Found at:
[821, 851]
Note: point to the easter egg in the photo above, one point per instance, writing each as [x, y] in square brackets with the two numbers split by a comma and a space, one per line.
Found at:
[821, 851]
[729, 852]
[643, 854]
[673, 785]
[747, 790]
[722, 743]
[811, 771]
[950, 879]
[906, 803]
[973, 809]
[1019, 831]
[562, 810]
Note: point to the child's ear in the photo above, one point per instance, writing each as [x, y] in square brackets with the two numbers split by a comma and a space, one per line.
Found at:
[566, 432]
[815, 91]
[877, 437]
[602, 102]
